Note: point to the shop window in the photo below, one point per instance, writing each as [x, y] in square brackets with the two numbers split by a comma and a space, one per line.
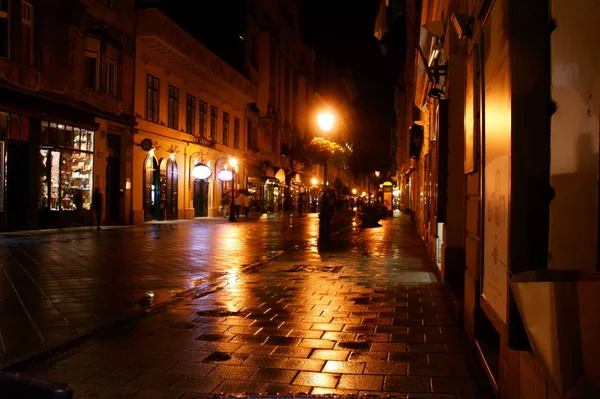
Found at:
[4, 29]
[190, 125]
[27, 32]
[226, 128]
[214, 117]
[66, 167]
[92, 53]
[152, 95]
[173, 107]
[14, 127]
[236, 133]
[203, 118]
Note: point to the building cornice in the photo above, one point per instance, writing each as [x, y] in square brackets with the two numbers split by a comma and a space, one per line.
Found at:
[156, 29]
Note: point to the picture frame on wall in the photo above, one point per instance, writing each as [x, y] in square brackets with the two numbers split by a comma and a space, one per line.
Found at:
[469, 118]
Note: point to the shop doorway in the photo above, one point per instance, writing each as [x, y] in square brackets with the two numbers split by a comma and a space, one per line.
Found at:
[113, 179]
[17, 188]
[200, 198]
[151, 189]
[172, 175]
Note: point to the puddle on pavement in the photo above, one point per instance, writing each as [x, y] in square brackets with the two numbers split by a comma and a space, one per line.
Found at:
[219, 313]
[357, 345]
[217, 357]
[312, 269]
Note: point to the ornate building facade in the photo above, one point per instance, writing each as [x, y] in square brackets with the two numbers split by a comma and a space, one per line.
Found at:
[191, 110]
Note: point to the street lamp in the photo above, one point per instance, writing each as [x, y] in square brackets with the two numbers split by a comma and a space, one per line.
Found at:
[233, 163]
[325, 120]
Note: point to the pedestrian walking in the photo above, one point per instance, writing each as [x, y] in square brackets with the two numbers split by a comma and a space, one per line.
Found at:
[300, 204]
[246, 205]
[238, 201]
[78, 201]
[97, 206]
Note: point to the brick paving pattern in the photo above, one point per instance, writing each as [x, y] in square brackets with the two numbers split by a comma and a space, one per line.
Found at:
[55, 287]
[367, 316]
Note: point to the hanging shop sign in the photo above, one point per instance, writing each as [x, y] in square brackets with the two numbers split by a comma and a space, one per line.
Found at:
[225, 175]
[201, 171]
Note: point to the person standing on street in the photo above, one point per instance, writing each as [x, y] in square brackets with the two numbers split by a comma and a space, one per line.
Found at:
[97, 206]
[246, 205]
[238, 201]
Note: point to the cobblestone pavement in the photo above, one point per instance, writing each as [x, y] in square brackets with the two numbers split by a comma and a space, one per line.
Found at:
[366, 316]
[55, 287]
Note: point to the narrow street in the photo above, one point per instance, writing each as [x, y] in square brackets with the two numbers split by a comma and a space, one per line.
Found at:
[367, 316]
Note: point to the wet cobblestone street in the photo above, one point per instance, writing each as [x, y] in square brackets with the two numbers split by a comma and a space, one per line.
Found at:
[366, 316]
[55, 287]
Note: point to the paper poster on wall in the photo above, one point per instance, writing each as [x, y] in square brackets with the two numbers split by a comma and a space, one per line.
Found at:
[495, 258]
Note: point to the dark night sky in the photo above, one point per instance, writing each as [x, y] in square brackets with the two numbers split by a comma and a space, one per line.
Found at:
[341, 30]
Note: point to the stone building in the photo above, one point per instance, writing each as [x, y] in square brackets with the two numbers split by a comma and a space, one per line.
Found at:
[503, 169]
[66, 110]
[191, 110]
[281, 66]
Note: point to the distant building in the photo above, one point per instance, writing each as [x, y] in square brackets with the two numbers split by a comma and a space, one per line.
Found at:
[191, 108]
[66, 110]
[281, 65]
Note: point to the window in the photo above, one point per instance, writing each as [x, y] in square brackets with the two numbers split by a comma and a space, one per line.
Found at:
[66, 167]
[226, 128]
[190, 123]
[27, 32]
[173, 107]
[214, 117]
[252, 136]
[203, 119]
[152, 93]
[111, 70]
[92, 53]
[14, 127]
[4, 29]
[236, 133]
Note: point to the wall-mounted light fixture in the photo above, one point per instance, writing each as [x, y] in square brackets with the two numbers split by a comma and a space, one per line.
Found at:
[462, 25]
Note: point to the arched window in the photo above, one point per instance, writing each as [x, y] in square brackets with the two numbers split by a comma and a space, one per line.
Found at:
[172, 185]
[151, 199]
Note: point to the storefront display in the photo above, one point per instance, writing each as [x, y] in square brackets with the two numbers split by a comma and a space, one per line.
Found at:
[66, 167]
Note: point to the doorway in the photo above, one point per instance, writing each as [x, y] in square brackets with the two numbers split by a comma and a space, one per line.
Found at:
[113, 179]
[200, 198]
[151, 189]
[171, 194]
[17, 189]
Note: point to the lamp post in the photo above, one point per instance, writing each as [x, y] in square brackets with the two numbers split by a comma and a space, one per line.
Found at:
[325, 120]
[233, 163]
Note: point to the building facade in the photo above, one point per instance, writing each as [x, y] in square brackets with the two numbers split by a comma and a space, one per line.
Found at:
[66, 111]
[191, 110]
[281, 66]
[503, 175]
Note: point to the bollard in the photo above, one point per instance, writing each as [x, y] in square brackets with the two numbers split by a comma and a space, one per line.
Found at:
[16, 386]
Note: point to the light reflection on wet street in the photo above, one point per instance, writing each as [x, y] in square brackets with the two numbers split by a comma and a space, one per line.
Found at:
[57, 286]
[365, 316]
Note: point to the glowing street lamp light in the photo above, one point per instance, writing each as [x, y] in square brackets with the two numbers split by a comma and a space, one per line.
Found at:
[325, 120]
[354, 191]
[314, 181]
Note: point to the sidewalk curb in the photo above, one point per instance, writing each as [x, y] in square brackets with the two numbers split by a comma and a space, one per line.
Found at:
[27, 361]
